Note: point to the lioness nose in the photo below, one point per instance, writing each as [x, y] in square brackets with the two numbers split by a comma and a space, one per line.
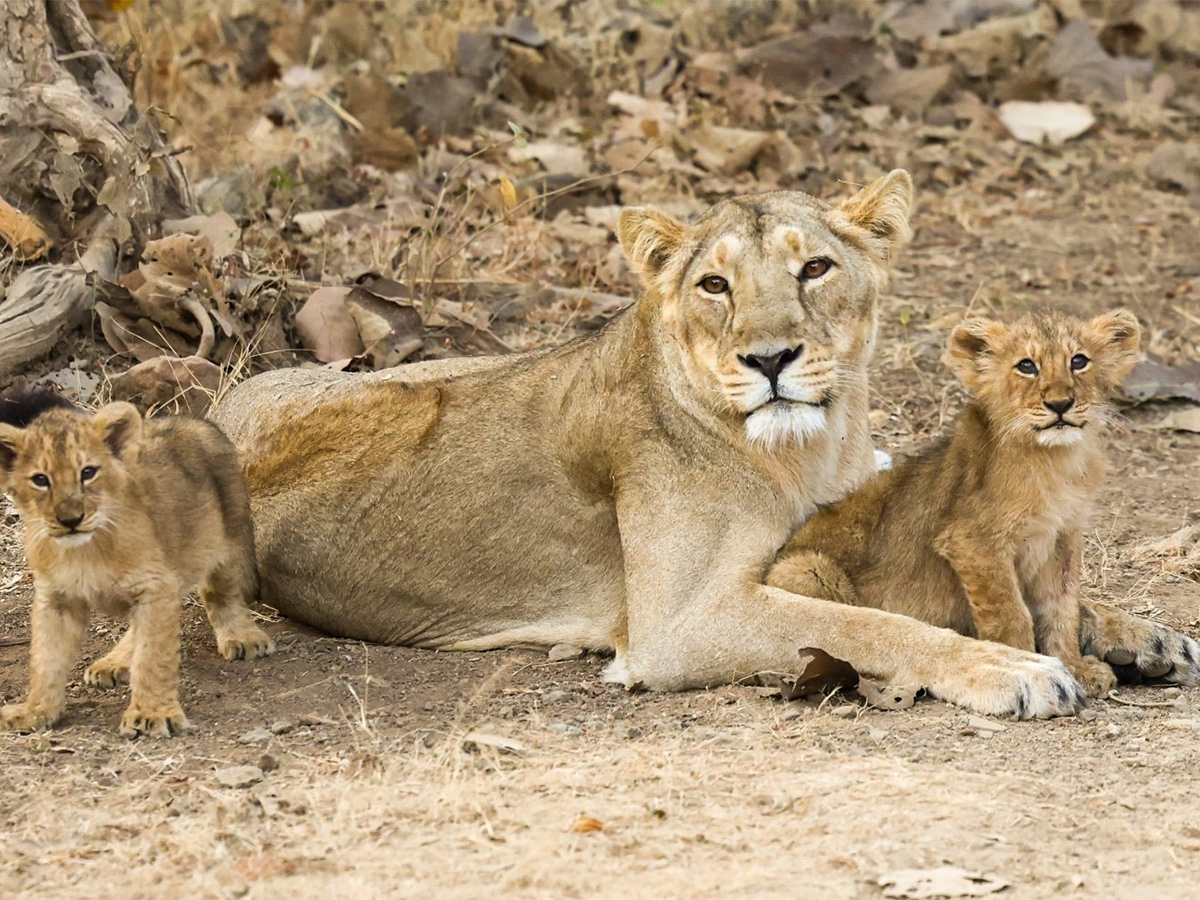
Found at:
[1060, 406]
[772, 365]
[70, 521]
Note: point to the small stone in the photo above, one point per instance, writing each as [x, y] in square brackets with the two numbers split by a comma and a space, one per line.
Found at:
[980, 725]
[1087, 715]
[1171, 693]
[239, 776]
[268, 763]
[633, 733]
[877, 734]
[283, 726]
[558, 727]
[556, 697]
[791, 715]
[559, 652]
[1113, 731]
[1182, 724]
[256, 736]
[845, 711]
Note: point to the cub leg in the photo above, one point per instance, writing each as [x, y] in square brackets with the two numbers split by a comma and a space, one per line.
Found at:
[1053, 597]
[990, 581]
[154, 668]
[226, 593]
[56, 628]
[112, 668]
[813, 575]
[1140, 651]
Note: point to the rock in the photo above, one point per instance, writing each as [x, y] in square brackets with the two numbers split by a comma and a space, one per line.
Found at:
[845, 711]
[877, 734]
[283, 726]
[1045, 122]
[478, 741]
[1087, 715]
[239, 776]
[1171, 693]
[981, 726]
[556, 697]
[255, 736]
[1182, 724]
[559, 652]
[1113, 731]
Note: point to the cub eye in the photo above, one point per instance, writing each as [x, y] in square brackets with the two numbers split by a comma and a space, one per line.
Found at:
[714, 284]
[1079, 362]
[40, 479]
[815, 268]
[1027, 367]
[87, 473]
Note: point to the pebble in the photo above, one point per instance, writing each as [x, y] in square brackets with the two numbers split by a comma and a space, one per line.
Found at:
[877, 734]
[556, 697]
[1171, 693]
[984, 726]
[283, 726]
[256, 736]
[239, 776]
[560, 652]
[845, 711]
[1087, 715]
[1184, 724]
[1113, 731]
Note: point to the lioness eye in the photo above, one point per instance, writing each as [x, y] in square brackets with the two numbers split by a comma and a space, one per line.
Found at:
[1027, 367]
[40, 480]
[87, 473]
[815, 268]
[1079, 362]
[714, 284]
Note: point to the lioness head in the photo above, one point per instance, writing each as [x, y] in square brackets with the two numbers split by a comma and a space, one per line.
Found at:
[1046, 377]
[65, 469]
[771, 298]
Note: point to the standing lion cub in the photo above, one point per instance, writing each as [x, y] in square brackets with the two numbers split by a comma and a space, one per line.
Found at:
[982, 531]
[126, 516]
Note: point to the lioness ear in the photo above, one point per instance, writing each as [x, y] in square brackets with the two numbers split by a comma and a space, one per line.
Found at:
[120, 425]
[648, 238]
[12, 440]
[882, 209]
[1120, 335]
[969, 342]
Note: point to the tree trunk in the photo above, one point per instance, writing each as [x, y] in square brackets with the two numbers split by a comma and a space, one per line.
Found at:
[75, 154]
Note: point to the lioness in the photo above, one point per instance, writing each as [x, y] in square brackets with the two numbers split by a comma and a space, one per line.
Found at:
[982, 531]
[125, 516]
[628, 490]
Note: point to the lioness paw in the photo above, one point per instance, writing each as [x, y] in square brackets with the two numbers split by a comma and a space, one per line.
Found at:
[1149, 653]
[996, 680]
[24, 718]
[159, 723]
[104, 674]
[249, 642]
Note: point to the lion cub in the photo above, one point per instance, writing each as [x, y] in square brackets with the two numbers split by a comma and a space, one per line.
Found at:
[982, 531]
[126, 516]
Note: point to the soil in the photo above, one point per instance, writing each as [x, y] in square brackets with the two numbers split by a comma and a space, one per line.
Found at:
[397, 772]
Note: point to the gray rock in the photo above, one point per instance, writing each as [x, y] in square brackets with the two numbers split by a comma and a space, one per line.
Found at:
[256, 736]
[239, 776]
[560, 652]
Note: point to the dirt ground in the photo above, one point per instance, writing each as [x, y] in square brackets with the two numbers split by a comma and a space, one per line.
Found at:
[389, 772]
[372, 787]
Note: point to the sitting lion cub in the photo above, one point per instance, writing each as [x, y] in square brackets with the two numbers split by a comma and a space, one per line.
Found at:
[981, 532]
[127, 516]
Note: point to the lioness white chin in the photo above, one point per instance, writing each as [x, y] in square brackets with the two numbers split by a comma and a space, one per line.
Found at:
[626, 491]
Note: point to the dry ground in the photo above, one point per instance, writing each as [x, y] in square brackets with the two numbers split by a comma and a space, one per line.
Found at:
[370, 791]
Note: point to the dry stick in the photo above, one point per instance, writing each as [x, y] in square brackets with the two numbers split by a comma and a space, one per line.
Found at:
[1112, 695]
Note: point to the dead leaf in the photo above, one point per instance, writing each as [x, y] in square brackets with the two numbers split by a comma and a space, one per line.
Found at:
[1174, 164]
[1085, 71]
[185, 385]
[1045, 122]
[944, 881]
[1153, 379]
[816, 673]
[884, 697]
[586, 824]
[1181, 420]
[326, 326]
[910, 90]
[813, 62]
[220, 229]
[388, 324]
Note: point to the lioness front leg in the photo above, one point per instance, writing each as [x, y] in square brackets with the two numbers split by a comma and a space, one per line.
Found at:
[56, 632]
[154, 669]
[1053, 597]
[1140, 651]
[112, 668]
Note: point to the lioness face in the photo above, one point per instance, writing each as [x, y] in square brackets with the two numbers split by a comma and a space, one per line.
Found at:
[64, 471]
[1046, 379]
[772, 298]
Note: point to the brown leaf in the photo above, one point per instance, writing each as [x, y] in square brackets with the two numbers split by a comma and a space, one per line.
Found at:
[187, 385]
[882, 697]
[326, 326]
[816, 673]
[1084, 69]
[1182, 420]
[1153, 379]
[585, 824]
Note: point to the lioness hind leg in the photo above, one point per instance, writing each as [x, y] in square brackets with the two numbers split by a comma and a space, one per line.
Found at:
[154, 668]
[226, 593]
[1139, 651]
[813, 575]
[112, 668]
[56, 634]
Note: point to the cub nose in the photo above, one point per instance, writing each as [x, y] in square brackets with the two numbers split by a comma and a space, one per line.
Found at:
[70, 521]
[1060, 406]
[772, 365]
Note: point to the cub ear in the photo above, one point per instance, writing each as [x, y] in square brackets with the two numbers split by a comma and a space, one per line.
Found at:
[12, 441]
[882, 208]
[120, 425]
[648, 238]
[1120, 336]
[972, 340]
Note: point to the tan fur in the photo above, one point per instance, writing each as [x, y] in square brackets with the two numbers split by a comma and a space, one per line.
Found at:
[165, 510]
[626, 491]
[982, 532]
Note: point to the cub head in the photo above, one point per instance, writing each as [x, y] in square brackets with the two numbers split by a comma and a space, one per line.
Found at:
[771, 298]
[65, 469]
[1045, 377]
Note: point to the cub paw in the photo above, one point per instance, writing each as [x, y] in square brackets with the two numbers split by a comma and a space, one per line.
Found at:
[24, 718]
[1096, 676]
[1155, 654]
[158, 723]
[104, 674]
[996, 680]
[250, 642]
